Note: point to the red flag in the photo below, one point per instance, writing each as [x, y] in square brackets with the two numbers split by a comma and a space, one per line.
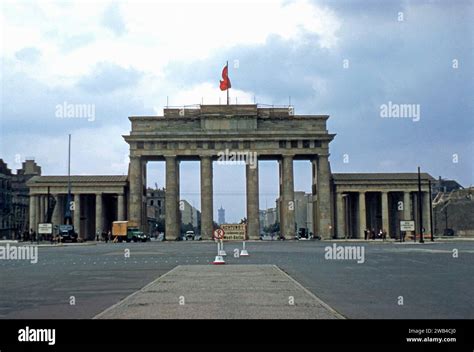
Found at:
[225, 82]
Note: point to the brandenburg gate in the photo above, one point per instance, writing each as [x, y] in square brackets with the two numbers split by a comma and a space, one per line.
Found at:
[341, 205]
[202, 132]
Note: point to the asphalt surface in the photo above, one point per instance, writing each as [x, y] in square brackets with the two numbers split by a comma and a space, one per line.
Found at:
[426, 277]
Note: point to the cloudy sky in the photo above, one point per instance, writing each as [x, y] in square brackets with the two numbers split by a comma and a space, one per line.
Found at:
[342, 58]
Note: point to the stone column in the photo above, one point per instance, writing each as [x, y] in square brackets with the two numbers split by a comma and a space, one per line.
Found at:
[362, 215]
[253, 221]
[178, 199]
[406, 210]
[288, 198]
[340, 215]
[171, 196]
[40, 218]
[206, 197]
[144, 215]
[135, 198]
[99, 225]
[314, 188]
[33, 214]
[56, 211]
[324, 197]
[120, 207]
[426, 213]
[385, 211]
[77, 214]
[406, 206]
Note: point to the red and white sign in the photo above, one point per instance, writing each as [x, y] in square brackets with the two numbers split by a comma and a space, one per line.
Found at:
[219, 234]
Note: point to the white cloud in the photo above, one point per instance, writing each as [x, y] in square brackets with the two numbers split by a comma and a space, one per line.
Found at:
[94, 151]
[157, 32]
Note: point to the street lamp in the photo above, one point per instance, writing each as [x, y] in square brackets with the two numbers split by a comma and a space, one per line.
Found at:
[420, 213]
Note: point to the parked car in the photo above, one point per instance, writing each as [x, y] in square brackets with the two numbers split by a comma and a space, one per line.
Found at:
[448, 232]
[67, 233]
[189, 236]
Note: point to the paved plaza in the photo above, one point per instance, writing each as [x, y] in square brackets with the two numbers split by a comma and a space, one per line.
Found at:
[427, 279]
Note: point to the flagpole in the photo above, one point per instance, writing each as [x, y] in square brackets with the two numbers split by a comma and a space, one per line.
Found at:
[227, 64]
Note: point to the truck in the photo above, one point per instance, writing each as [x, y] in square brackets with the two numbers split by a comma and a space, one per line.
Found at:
[128, 231]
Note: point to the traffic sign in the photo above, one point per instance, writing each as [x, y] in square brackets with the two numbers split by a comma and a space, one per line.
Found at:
[45, 229]
[407, 225]
[219, 234]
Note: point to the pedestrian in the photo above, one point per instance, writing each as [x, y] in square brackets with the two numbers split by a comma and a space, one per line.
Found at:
[372, 234]
[366, 234]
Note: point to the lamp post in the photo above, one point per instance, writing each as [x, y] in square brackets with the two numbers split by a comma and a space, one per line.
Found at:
[431, 211]
[420, 213]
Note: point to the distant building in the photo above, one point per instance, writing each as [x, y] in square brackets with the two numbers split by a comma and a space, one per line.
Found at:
[21, 196]
[443, 185]
[155, 208]
[303, 208]
[221, 215]
[155, 201]
[303, 211]
[14, 198]
[268, 217]
[189, 214]
[6, 208]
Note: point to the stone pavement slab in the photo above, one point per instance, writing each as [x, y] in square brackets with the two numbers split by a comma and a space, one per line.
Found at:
[222, 292]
